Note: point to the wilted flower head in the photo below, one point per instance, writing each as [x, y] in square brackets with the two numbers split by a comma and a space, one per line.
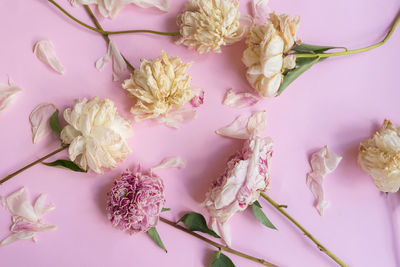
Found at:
[159, 86]
[135, 201]
[96, 134]
[265, 56]
[379, 156]
[206, 25]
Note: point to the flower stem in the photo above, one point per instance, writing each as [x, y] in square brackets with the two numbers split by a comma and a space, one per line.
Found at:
[103, 32]
[355, 51]
[8, 177]
[319, 245]
[220, 247]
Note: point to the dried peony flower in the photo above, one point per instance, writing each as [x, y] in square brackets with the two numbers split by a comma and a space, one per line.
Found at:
[8, 94]
[246, 175]
[40, 121]
[135, 201]
[110, 8]
[239, 100]
[206, 25]
[265, 57]
[119, 64]
[323, 162]
[160, 87]
[96, 134]
[27, 219]
[44, 51]
[379, 156]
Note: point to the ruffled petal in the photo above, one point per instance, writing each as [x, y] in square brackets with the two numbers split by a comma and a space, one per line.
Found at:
[44, 51]
[239, 100]
[40, 121]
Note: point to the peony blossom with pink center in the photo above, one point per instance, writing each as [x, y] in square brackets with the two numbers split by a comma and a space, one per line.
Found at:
[135, 201]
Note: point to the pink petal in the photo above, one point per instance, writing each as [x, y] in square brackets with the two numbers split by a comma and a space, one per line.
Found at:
[171, 162]
[173, 118]
[239, 100]
[323, 162]
[8, 94]
[18, 204]
[222, 229]
[17, 236]
[237, 129]
[119, 64]
[260, 11]
[44, 51]
[40, 121]
[40, 207]
[198, 98]
[256, 123]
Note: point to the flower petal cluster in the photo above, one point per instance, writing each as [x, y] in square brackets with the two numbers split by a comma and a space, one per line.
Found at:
[206, 25]
[265, 57]
[96, 134]
[379, 156]
[135, 201]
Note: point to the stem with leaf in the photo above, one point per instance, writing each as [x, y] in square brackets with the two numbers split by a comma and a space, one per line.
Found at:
[215, 244]
[310, 236]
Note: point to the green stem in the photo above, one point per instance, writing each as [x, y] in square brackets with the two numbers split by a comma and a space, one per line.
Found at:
[313, 239]
[215, 244]
[8, 177]
[103, 32]
[355, 51]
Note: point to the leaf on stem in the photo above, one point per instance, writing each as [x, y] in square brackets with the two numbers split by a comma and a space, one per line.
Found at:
[196, 222]
[67, 164]
[315, 49]
[152, 232]
[221, 260]
[260, 215]
[55, 123]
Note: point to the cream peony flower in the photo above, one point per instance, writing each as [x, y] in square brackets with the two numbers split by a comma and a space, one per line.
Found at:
[159, 86]
[206, 25]
[379, 156]
[265, 54]
[96, 134]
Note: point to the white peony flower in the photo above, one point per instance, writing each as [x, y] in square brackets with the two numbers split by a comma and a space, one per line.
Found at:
[265, 57]
[379, 156]
[96, 134]
[206, 25]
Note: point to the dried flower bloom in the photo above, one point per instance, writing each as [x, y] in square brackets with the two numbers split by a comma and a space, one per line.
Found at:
[379, 156]
[45, 52]
[206, 25]
[27, 219]
[160, 87]
[265, 57]
[96, 134]
[40, 121]
[135, 201]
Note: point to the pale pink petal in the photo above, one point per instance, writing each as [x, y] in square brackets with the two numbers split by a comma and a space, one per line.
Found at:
[239, 100]
[18, 203]
[17, 236]
[40, 121]
[223, 230]
[44, 51]
[171, 162]
[257, 123]
[174, 118]
[163, 5]
[8, 94]
[237, 129]
[101, 62]
[198, 98]
[40, 207]
[323, 162]
[260, 11]
[119, 64]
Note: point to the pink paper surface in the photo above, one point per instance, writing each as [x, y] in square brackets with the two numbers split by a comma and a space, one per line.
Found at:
[339, 102]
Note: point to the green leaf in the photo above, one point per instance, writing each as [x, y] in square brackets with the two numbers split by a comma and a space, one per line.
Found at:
[314, 49]
[67, 164]
[220, 260]
[293, 74]
[260, 215]
[196, 222]
[152, 232]
[55, 123]
[165, 209]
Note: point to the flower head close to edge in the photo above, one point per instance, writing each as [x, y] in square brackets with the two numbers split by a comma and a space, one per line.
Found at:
[26, 218]
[206, 25]
[160, 87]
[96, 134]
[379, 156]
[265, 56]
[135, 201]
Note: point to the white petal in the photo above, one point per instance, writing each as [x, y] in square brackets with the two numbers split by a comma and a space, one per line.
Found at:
[17, 236]
[119, 64]
[44, 50]
[236, 129]
[257, 122]
[239, 100]
[40, 121]
[18, 203]
[163, 5]
[8, 94]
[178, 116]
[171, 162]
[101, 62]
[40, 207]
[222, 229]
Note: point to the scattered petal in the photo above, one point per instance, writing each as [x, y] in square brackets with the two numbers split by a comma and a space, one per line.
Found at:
[119, 64]
[260, 11]
[174, 118]
[238, 130]
[171, 162]
[8, 94]
[198, 98]
[257, 123]
[44, 51]
[40, 121]
[323, 162]
[239, 100]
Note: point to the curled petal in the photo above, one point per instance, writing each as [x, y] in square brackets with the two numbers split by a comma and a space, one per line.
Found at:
[239, 100]
[40, 121]
[17, 236]
[222, 229]
[237, 129]
[44, 51]
[40, 207]
[198, 98]
[18, 203]
[8, 94]
[171, 162]
[119, 64]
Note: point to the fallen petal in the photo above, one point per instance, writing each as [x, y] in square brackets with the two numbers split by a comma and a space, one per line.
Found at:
[17, 236]
[236, 129]
[119, 64]
[18, 204]
[171, 162]
[44, 51]
[40, 207]
[160, 4]
[239, 100]
[8, 94]
[257, 123]
[198, 98]
[174, 118]
[40, 121]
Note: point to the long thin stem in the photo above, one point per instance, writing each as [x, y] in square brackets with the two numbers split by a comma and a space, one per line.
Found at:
[310, 236]
[215, 244]
[8, 177]
[103, 32]
[355, 51]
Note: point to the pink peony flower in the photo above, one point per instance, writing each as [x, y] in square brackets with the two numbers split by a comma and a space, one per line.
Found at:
[135, 201]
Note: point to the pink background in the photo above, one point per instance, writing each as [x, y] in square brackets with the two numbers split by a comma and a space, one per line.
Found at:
[339, 102]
